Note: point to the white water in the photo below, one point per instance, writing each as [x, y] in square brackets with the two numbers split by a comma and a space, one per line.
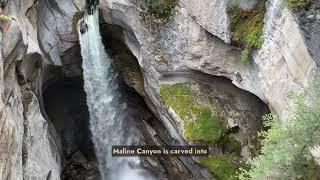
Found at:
[107, 112]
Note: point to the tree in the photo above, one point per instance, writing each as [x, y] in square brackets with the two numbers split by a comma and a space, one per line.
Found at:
[286, 145]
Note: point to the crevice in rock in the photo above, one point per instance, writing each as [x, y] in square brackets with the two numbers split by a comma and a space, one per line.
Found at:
[65, 103]
[309, 21]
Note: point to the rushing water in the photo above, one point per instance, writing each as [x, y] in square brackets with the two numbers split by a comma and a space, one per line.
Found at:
[107, 110]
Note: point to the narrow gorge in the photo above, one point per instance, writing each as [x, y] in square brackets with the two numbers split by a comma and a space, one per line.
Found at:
[238, 76]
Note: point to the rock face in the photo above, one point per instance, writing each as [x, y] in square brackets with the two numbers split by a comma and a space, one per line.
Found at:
[283, 64]
[195, 38]
[211, 15]
[29, 147]
[309, 20]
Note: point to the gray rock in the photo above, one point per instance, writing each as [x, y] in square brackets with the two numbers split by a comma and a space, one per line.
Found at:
[309, 21]
[194, 39]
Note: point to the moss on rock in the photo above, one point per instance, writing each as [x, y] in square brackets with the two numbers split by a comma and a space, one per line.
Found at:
[75, 19]
[247, 28]
[208, 128]
[202, 123]
[221, 166]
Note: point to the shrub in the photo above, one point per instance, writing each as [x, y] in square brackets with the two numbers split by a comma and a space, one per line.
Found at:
[221, 166]
[4, 17]
[245, 55]
[295, 4]
[246, 28]
[160, 9]
[234, 13]
[285, 145]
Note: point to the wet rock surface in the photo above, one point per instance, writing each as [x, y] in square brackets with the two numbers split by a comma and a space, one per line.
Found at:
[78, 167]
[309, 20]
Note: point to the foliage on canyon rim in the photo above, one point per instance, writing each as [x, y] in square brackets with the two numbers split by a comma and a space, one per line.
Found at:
[295, 4]
[247, 28]
[285, 147]
[160, 9]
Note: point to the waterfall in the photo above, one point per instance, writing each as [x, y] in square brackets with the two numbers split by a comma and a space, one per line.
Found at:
[107, 110]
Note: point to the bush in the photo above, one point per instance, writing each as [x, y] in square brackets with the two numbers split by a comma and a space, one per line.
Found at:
[221, 166]
[234, 13]
[245, 55]
[246, 28]
[285, 145]
[295, 4]
[4, 17]
[160, 9]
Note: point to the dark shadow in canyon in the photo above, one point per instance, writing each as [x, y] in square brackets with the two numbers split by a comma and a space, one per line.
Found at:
[65, 105]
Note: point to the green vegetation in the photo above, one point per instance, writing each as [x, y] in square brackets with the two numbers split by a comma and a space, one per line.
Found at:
[75, 19]
[4, 17]
[207, 128]
[222, 166]
[295, 4]
[247, 28]
[232, 145]
[160, 9]
[202, 124]
[285, 147]
[245, 55]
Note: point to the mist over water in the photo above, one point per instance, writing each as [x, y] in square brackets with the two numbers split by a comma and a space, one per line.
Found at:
[109, 122]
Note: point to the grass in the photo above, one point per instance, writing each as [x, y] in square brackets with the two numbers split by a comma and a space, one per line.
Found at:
[221, 166]
[202, 124]
[247, 28]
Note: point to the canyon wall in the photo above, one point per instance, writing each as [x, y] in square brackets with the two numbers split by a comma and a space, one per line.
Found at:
[195, 39]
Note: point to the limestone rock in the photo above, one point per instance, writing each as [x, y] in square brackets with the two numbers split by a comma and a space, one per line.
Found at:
[194, 39]
[211, 15]
[41, 156]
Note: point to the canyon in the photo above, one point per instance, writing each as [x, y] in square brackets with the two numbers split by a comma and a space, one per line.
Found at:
[44, 116]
